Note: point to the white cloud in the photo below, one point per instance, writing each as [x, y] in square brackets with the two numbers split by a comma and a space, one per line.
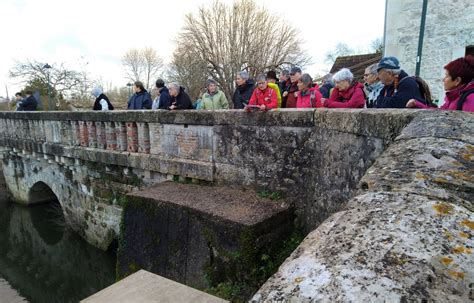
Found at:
[100, 32]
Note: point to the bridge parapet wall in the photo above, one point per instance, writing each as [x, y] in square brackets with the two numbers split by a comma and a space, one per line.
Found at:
[315, 158]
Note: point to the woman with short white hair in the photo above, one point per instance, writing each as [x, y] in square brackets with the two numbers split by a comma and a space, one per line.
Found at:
[347, 93]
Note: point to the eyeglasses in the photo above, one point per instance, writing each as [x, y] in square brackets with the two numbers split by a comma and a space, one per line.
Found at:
[292, 74]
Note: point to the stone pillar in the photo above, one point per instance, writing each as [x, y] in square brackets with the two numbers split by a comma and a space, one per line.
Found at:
[65, 133]
[132, 137]
[36, 126]
[2, 127]
[32, 128]
[56, 131]
[143, 138]
[84, 134]
[121, 132]
[76, 133]
[101, 137]
[25, 129]
[42, 134]
[110, 135]
[9, 128]
[48, 130]
[156, 130]
[91, 131]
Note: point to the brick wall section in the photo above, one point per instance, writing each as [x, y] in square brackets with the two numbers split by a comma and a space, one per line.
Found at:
[101, 135]
[92, 135]
[132, 137]
[143, 138]
[111, 136]
[121, 131]
[76, 132]
[84, 134]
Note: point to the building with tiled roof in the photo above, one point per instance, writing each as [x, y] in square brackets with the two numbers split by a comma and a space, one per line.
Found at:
[356, 63]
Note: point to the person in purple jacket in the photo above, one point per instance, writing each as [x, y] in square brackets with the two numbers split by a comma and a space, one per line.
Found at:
[458, 84]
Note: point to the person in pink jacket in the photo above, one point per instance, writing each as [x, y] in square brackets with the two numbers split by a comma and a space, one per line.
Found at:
[458, 84]
[263, 96]
[347, 93]
[309, 95]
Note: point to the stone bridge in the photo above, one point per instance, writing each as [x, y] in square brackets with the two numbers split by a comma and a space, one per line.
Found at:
[318, 160]
[89, 160]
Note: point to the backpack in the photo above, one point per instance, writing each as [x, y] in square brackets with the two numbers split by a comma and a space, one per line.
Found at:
[424, 90]
[463, 98]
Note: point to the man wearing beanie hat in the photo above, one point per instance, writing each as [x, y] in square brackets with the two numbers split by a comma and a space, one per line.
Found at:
[398, 86]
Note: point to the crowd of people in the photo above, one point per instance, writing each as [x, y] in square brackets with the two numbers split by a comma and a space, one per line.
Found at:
[386, 85]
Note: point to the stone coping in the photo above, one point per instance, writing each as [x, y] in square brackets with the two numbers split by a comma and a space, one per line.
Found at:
[235, 205]
[144, 286]
[383, 123]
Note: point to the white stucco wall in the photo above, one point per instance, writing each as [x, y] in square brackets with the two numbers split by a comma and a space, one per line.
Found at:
[449, 28]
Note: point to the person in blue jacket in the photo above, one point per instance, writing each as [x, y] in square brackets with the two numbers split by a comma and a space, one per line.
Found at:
[398, 86]
[165, 98]
[29, 103]
[141, 99]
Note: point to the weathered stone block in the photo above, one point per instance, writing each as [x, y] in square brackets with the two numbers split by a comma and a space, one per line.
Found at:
[189, 232]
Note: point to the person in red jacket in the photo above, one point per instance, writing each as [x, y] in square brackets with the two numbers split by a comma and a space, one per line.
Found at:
[347, 93]
[263, 96]
[459, 85]
[309, 95]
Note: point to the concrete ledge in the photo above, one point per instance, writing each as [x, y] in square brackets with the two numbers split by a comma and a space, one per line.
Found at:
[146, 287]
[201, 235]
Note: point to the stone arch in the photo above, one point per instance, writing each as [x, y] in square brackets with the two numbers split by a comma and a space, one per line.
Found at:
[41, 192]
[47, 219]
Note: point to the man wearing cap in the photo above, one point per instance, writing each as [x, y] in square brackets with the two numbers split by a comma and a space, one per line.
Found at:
[291, 90]
[398, 86]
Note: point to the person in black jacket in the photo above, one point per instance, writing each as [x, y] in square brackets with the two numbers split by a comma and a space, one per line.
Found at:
[179, 98]
[141, 99]
[164, 98]
[28, 103]
[399, 88]
[327, 85]
[102, 101]
[243, 91]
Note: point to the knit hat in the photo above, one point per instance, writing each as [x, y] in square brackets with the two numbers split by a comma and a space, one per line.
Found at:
[388, 63]
[295, 70]
[96, 92]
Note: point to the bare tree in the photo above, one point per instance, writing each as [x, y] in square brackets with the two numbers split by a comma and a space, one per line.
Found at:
[132, 61]
[143, 65]
[60, 78]
[153, 64]
[227, 39]
[341, 49]
[188, 70]
[376, 45]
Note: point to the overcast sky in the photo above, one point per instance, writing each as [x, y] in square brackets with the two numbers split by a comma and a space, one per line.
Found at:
[93, 35]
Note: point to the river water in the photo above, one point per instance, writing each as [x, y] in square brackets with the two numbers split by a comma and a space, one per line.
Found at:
[42, 260]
